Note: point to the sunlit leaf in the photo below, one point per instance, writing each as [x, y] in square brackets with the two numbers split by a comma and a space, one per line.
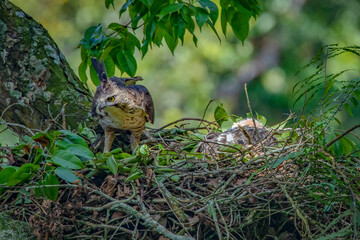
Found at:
[6, 174]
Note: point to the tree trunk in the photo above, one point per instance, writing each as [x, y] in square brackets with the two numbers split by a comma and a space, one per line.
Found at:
[36, 82]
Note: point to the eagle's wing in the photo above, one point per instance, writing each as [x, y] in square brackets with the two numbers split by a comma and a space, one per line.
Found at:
[142, 96]
[126, 81]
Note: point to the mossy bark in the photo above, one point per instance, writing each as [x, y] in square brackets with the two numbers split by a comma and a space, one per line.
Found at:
[35, 78]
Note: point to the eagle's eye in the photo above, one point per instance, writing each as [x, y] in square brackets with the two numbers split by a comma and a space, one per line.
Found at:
[111, 99]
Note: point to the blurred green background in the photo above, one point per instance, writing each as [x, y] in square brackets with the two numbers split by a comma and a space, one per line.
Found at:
[284, 38]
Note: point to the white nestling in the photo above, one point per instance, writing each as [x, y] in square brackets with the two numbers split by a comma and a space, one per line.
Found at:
[246, 132]
[120, 104]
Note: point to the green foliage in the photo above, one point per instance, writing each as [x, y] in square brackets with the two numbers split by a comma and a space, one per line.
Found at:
[333, 95]
[220, 114]
[298, 171]
[328, 89]
[160, 21]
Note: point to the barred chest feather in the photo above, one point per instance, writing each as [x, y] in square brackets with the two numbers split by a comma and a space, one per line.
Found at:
[122, 117]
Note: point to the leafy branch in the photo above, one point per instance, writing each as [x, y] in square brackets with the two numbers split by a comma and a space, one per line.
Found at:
[164, 21]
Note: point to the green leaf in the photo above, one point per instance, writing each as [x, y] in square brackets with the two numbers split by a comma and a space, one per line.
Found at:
[144, 150]
[144, 48]
[82, 71]
[94, 77]
[175, 178]
[159, 34]
[62, 144]
[187, 13]
[51, 192]
[220, 114]
[148, 3]
[89, 32]
[135, 175]
[179, 26]
[124, 7]
[38, 156]
[171, 42]
[108, 3]
[116, 27]
[214, 11]
[96, 36]
[214, 29]
[240, 24]
[23, 174]
[357, 94]
[347, 145]
[66, 174]
[131, 42]
[169, 9]
[201, 16]
[66, 159]
[6, 174]
[73, 138]
[84, 53]
[261, 119]
[278, 161]
[127, 62]
[224, 20]
[348, 109]
[84, 153]
[112, 165]
[121, 155]
[149, 30]
[231, 148]
[110, 66]
[354, 101]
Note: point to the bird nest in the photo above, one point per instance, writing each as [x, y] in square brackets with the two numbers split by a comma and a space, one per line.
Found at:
[294, 189]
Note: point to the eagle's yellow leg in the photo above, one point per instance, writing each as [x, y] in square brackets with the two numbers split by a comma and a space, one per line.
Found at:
[135, 137]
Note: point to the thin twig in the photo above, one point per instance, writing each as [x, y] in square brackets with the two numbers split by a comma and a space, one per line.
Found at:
[342, 135]
[186, 119]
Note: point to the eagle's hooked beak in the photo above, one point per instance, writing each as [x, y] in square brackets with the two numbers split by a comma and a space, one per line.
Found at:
[99, 109]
